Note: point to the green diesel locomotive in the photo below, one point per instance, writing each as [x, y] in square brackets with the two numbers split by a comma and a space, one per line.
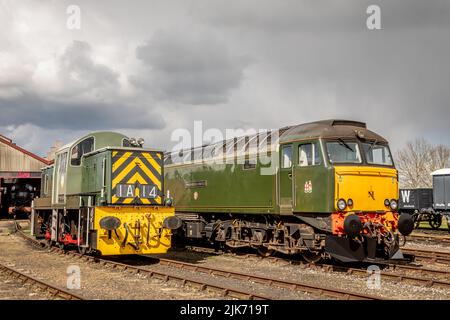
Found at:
[104, 193]
[333, 193]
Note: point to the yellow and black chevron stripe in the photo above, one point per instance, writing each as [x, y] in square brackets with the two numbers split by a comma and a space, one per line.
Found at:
[138, 171]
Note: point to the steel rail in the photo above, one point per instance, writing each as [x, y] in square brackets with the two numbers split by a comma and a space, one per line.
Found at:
[43, 285]
[203, 284]
[299, 286]
[423, 237]
[390, 273]
[226, 291]
[429, 255]
[293, 285]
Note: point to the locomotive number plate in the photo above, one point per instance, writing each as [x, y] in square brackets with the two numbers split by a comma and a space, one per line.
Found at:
[131, 191]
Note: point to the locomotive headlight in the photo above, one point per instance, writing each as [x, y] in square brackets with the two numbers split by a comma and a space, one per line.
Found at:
[393, 204]
[341, 204]
[350, 202]
[140, 141]
[387, 202]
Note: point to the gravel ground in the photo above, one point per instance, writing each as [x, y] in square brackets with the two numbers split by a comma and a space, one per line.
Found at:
[97, 282]
[388, 288]
[13, 289]
[428, 246]
[439, 232]
[248, 286]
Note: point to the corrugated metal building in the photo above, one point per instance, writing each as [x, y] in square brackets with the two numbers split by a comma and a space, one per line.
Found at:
[17, 166]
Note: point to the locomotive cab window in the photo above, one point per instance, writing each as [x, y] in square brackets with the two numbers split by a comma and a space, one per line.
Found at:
[343, 152]
[286, 157]
[377, 154]
[308, 155]
[85, 146]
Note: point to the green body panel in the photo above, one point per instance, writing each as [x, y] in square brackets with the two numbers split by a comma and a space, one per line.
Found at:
[47, 182]
[210, 187]
[92, 170]
[285, 185]
[322, 181]
[101, 140]
[93, 175]
[73, 176]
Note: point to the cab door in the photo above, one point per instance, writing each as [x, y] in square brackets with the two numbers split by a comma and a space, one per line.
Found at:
[60, 180]
[285, 180]
[313, 180]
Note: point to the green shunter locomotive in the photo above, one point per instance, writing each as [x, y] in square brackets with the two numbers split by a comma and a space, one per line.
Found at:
[104, 193]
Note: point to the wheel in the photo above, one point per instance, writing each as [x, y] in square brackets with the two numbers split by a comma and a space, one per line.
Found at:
[49, 243]
[264, 252]
[83, 250]
[447, 217]
[401, 240]
[416, 218]
[435, 221]
[311, 256]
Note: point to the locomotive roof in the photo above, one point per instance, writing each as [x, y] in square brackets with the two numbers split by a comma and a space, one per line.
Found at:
[330, 129]
[94, 134]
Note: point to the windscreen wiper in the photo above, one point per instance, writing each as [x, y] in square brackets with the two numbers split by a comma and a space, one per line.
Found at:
[372, 145]
[342, 142]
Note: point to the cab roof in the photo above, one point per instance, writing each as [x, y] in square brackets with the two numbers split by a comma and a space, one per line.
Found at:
[103, 139]
[329, 129]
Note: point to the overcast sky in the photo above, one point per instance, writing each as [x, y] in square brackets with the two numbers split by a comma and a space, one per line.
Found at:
[145, 68]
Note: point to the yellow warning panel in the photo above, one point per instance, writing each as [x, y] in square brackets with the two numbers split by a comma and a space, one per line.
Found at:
[136, 177]
[132, 229]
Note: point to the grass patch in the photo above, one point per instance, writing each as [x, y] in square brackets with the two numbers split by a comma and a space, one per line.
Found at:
[426, 225]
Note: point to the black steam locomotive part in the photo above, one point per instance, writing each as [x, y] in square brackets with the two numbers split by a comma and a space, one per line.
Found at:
[21, 196]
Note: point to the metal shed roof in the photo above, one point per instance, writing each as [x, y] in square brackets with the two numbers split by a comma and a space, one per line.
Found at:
[441, 172]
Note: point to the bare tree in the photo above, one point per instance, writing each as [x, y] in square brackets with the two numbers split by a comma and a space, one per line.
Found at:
[417, 160]
[440, 157]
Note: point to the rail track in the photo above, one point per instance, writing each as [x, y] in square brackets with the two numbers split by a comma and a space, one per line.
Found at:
[51, 289]
[391, 275]
[393, 272]
[426, 237]
[292, 285]
[429, 277]
[426, 255]
[204, 284]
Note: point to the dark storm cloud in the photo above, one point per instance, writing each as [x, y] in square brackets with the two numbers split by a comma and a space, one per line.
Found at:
[189, 68]
[80, 74]
[88, 99]
[50, 114]
[265, 63]
[293, 16]
[330, 65]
